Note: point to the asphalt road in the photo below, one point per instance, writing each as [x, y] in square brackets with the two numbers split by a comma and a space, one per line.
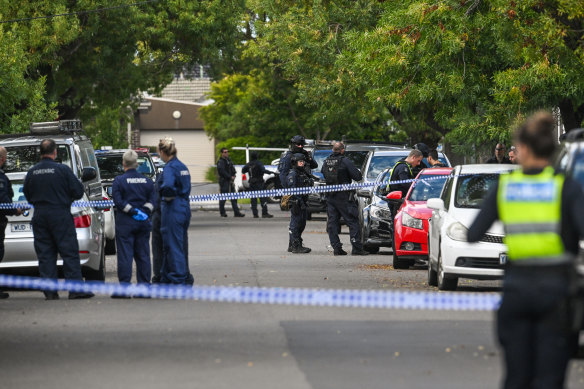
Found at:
[106, 343]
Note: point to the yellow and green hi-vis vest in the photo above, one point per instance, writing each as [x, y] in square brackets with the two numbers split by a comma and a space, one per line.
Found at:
[393, 168]
[530, 209]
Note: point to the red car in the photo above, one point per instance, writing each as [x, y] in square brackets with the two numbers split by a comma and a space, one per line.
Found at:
[410, 242]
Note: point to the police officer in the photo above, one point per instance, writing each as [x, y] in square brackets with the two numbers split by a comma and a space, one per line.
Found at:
[297, 144]
[6, 195]
[338, 170]
[51, 188]
[541, 211]
[175, 189]
[297, 178]
[157, 248]
[134, 199]
[256, 169]
[227, 172]
[433, 159]
[404, 170]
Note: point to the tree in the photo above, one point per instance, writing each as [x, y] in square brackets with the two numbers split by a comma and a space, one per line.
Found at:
[471, 69]
[93, 63]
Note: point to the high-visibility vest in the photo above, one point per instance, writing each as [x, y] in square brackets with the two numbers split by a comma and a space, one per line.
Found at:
[393, 168]
[530, 209]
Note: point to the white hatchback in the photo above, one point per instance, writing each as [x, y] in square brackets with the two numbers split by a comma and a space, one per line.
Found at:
[450, 255]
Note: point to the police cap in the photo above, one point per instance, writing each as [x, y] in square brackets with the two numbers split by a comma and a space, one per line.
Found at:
[298, 157]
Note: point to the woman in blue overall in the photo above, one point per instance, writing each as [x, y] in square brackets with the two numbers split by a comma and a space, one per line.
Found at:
[175, 189]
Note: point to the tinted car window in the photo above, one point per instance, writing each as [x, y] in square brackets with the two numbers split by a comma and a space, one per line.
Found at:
[111, 166]
[577, 170]
[427, 189]
[472, 189]
[381, 162]
[357, 157]
[22, 158]
[447, 192]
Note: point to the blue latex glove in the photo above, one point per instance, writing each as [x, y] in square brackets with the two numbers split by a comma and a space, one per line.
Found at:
[140, 215]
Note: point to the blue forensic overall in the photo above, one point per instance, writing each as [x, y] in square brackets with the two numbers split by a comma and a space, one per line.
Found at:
[132, 191]
[51, 188]
[6, 195]
[157, 250]
[175, 189]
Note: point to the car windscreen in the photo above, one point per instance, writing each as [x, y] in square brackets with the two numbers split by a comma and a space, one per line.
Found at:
[472, 189]
[22, 158]
[381, 162]
[428, 187]
[110, 166]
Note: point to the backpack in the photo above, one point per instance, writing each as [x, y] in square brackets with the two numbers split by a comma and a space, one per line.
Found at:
[330, 169]
[255, 171]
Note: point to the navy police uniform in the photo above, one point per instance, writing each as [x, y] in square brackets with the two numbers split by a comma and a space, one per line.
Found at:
[6, 195]
[533, 322]
[157, 250]
[175, 189]
[339, 170]
[51, 188]
[226, 170]
[297, 178]
[132, 191]
[285, 165]
[256, 182]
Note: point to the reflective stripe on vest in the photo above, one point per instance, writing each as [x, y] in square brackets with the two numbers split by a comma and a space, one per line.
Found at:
[530, 209]
[393, 168]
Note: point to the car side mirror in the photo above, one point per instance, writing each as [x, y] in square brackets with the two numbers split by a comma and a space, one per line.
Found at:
[395, 195]
[364, 193]
[436, 204]
[89, 173]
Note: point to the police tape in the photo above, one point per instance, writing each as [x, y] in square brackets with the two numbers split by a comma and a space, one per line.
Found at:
[383, 299]
[101, 204]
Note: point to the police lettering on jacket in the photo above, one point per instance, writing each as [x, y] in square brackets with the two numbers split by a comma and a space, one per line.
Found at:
[50, 184]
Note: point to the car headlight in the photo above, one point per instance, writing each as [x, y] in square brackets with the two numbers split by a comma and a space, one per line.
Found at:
[410, 221]
[456, 231]
[380, 213]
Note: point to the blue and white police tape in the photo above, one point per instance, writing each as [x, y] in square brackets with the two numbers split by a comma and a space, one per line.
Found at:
[383, 299]
[247, 194]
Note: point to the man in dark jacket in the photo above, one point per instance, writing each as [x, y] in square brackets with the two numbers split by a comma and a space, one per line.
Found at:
[226, 172]
[404, 170]
[6, 195]
[51, 188]
[339, 170]
[256, 170]
[297, 178]
[433, 159]
[499, 156]
[297, 144]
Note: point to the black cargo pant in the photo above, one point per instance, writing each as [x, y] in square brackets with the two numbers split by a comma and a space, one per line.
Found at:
[254, 201]
[341, 204]
[532, 326]
[226, 187]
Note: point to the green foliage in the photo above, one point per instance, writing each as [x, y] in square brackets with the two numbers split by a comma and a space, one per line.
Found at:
[211, 174]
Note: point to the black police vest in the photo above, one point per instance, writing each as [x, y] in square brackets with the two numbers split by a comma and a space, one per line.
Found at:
[256, 172]
[331, 168]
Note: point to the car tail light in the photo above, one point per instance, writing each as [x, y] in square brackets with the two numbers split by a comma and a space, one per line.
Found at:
[243, 177]
[82, 221]
[105, 199]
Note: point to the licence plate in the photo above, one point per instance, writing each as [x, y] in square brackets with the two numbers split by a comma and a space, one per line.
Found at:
[21, 227]
[503, 258]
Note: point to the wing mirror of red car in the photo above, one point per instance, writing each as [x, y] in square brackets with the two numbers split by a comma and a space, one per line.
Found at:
[396, 195]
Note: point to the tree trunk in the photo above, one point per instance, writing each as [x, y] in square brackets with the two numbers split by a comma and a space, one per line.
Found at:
[571, 117]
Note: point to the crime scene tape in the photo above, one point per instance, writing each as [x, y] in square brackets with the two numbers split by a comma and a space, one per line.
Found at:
[246, 194]
[383, 299]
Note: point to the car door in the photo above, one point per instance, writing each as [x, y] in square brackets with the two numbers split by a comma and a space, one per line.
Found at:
[437, 221]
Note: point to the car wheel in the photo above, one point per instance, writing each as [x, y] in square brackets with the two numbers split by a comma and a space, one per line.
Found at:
[371, 249]
[397, 262]
[432, 275]
[97, 275]
[272, 199]
[110, 246]
[443, 282]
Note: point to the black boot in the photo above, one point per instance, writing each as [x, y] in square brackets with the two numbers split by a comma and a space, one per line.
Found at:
[340, 251]
[301, 250]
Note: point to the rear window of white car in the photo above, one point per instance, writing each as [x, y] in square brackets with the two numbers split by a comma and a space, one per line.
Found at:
[22, 158]
[471, 190]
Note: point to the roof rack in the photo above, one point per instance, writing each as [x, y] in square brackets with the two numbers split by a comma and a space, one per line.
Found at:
[573, 135]
[69, 126]
[375, 142]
